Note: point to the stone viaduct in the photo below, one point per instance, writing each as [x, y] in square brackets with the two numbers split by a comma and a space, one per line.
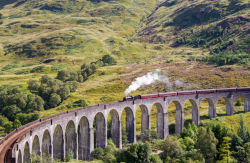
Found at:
[73, 129]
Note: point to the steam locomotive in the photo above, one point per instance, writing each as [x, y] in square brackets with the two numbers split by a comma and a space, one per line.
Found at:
[168, 94]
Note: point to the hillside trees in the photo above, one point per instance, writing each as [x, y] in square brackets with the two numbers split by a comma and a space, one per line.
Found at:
[14, 98]
[52, 91]
[18, 108]
[86, 70]
[227, 58]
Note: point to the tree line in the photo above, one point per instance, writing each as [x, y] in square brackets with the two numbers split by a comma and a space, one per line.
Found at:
[86, 70]
[227, 58]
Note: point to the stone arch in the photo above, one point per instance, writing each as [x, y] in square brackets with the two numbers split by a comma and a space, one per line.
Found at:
[179, 117]
[46, 143]
[130, 124]
[229, 109]
[58, 143]
[19, 157]
[160, 120]
[84, 139]
[70, 136]
[246, 102]
[115, 128]
[36, 145]
[144, 118]
[100, 130]
[26, 154]
[195, 111]
[211, 107]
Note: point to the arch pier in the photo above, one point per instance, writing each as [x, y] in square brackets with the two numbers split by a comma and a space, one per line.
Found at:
[74, 130]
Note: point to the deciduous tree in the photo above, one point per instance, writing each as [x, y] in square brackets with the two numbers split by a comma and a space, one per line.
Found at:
[242, 130]
[207, 144]
[224, 151]
[55, 99]
[171, 147]
[33, 85]
[16, 124]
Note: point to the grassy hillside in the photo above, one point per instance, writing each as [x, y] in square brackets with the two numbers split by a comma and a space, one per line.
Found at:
[213, 25]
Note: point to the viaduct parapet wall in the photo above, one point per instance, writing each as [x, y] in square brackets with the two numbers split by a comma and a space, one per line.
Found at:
[59, 133]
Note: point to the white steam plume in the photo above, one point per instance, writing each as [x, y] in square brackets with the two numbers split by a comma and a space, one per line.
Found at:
[147, 79]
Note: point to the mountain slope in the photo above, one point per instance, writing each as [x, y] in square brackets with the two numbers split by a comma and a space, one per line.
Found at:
[213, 25]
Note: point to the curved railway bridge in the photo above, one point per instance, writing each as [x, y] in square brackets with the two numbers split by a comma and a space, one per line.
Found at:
[73, 129]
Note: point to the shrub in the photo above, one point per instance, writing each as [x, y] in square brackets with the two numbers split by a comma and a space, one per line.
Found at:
[108, 158]
[82, 21]
[24, 71]
[81, 103]
[16, 62]
[8, 127]
[16, 124]
[55, 99]
[12, 23]
[40, 69]
[69, 156]
[29, 25]
[28, 64]
[57, 67]
[171, 147]
[136, 152]
[98, 153]
[238, 103]
[155, 159]
[10, 67]
[3, 120]
[33, 85]
[108, 59]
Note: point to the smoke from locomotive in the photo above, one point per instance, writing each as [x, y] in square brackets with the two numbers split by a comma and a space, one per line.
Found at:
[147, 79]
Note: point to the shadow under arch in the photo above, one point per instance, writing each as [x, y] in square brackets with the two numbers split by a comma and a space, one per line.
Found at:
[83, 139]
[19, 157]
[46, 143]
[211, 107]
[26, 153]
[144, 117]
[58, 143]
[195, 111]
[101, 132]
[245, 100]
[36, 145]
[70, 136]
[179, 117]
[159, 119]
[228, 106]
[130, 124]
[115, 128]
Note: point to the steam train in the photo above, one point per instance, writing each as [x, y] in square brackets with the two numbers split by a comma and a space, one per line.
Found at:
[168, 94]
